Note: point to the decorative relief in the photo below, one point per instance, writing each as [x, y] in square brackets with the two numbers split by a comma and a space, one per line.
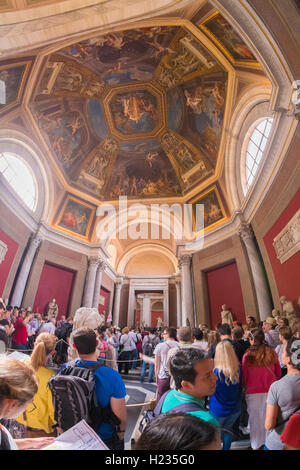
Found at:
[3, 251]
[287, 242]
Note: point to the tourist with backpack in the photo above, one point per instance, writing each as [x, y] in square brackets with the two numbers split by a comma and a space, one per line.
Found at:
[85, 389]
[149, 343]
[194, 378]
[161, 352]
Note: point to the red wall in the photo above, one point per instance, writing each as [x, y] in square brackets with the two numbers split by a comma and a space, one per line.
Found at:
[8, 260]
[154, 317]
[224, 287]
[55, 283]
[104, 308]
[287, 274]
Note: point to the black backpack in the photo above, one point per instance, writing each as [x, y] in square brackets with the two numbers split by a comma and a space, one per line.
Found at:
[74, 398]
[149, 347]
[149, 415]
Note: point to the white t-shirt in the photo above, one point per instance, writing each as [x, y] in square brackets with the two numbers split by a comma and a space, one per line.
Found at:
[162, 350]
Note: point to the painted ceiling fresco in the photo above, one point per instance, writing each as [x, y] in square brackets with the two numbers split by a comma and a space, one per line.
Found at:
[137, 113]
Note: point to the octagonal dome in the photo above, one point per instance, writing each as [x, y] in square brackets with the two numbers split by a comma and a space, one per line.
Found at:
[137, 112]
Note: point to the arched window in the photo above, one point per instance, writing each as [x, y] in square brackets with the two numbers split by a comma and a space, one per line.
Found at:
[20, 177]
[256, 146]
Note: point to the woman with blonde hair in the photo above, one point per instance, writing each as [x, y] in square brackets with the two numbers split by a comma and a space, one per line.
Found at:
[18, 386]
[226, 403]
[260, 368]
[39, 416]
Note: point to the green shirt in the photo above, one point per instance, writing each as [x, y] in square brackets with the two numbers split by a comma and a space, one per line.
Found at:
[175, 398]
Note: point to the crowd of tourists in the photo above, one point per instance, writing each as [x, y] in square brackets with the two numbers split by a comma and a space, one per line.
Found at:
[211, 385]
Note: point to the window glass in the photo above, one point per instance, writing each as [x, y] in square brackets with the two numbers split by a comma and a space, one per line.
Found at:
[256, 146]
[20, 177]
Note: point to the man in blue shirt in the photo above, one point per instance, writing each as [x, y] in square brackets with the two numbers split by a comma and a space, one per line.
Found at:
[110, 388]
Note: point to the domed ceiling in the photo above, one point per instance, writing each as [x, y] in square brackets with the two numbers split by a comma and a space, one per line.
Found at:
[136, 113]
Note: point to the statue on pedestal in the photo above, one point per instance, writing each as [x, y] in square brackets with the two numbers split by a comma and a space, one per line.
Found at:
[288, 310]
[277, 315]
[226, 316]
[52, 309]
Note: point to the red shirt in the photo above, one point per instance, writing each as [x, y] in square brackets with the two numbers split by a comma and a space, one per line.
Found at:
[19, 336]
[259, 379]
[291, 433]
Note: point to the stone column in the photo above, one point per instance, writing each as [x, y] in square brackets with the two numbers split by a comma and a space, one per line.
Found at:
[260, 285]
[147, 310]
[116, 314]
[166, 320]
[20, 286]
[89, 287]
[178, 303]
[98, 282]
[131, 306]
[186, 290]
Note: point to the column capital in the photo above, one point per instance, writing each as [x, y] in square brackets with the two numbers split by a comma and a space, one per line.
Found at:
[93, 262]
[245, 232]
[185, 260]
[36, 240]
[101, 265]
[118, 283]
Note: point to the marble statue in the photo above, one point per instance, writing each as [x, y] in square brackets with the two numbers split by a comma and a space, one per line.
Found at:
[52, 309]
[277, 315]
[84, 316]
[159, 323]
[288, 310]
[226, 316]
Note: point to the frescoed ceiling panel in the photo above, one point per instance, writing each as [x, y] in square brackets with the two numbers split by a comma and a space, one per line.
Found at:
[136, 113]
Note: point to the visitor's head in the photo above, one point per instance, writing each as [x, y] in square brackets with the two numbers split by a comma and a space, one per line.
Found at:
[178, 431]
[193, 372]
[125, 330]
[18, 385]
[85, 340]
[226, 361]
[291, 353]
[269, 324]
[283, 322]
[237, 333]
[44, 346]
[213, 337]
[296, 328]
[198, 334]
[169, 333]
[251, 322]
[185, 334]
[224, 330]
[285, 333]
